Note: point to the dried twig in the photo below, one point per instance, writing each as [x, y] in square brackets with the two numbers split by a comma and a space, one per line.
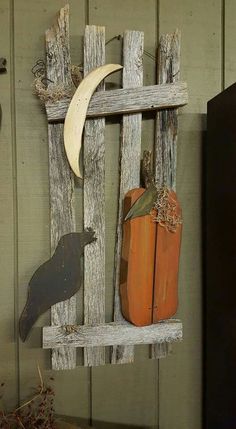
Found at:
[38, 394]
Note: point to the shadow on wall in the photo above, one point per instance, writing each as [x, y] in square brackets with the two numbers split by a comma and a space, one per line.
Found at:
[110, 425]
[77, 423]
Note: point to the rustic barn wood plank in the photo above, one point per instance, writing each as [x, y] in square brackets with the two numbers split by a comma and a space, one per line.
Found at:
[109, 334]
[94, 201]
[167, 120]
[165, 158]
[31, 19]
[60, 176]
[129, 164]
[125, 100]
[139, 409]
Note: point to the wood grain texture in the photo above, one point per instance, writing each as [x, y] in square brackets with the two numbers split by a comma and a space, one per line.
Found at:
[130, 154]
[165, 148]
[119, 382]
[110, 334]
[60, 176]
[94, 201]
[167, 120]
[126, 100]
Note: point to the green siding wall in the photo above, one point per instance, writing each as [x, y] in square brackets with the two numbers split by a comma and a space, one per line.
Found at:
[146, 394]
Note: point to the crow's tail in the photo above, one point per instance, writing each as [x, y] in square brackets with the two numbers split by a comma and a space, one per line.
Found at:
[27, 319]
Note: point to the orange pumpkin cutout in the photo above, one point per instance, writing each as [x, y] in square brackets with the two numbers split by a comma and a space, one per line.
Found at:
[149, 266]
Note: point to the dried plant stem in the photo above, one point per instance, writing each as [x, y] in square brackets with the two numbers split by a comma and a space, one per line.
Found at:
[20, 422]
[167, 212]
[38, 394]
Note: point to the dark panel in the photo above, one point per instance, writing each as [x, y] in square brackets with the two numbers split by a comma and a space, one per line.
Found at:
[220, 263]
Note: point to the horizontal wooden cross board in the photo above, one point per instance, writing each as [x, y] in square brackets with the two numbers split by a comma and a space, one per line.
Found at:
[131, 100]
[110, 334]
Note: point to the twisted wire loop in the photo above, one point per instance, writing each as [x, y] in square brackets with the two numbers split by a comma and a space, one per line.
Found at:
[57, 92]
[52, 93]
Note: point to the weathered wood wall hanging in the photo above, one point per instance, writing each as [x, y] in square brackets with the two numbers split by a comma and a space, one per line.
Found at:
[64, 335]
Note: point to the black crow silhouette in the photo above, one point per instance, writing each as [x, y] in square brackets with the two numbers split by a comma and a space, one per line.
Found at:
[56, 280]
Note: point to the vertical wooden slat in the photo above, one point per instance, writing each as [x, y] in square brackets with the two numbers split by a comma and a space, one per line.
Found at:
[60, 176]
[165, 157]
[124, 395]
[94, 201]
[167, 120]
[129, 164]
[31, 19]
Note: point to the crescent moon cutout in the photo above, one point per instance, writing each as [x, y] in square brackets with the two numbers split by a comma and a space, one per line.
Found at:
[76, 114]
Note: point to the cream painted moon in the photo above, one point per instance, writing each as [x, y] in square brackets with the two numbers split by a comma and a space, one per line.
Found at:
[76, 114]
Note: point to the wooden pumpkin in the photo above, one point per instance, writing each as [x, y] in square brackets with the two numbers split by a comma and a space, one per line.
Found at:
[149, 265]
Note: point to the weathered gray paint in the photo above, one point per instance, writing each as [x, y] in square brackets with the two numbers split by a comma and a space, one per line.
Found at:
[130, 154]
[123, 100]
[61, 178]
[94, 200]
